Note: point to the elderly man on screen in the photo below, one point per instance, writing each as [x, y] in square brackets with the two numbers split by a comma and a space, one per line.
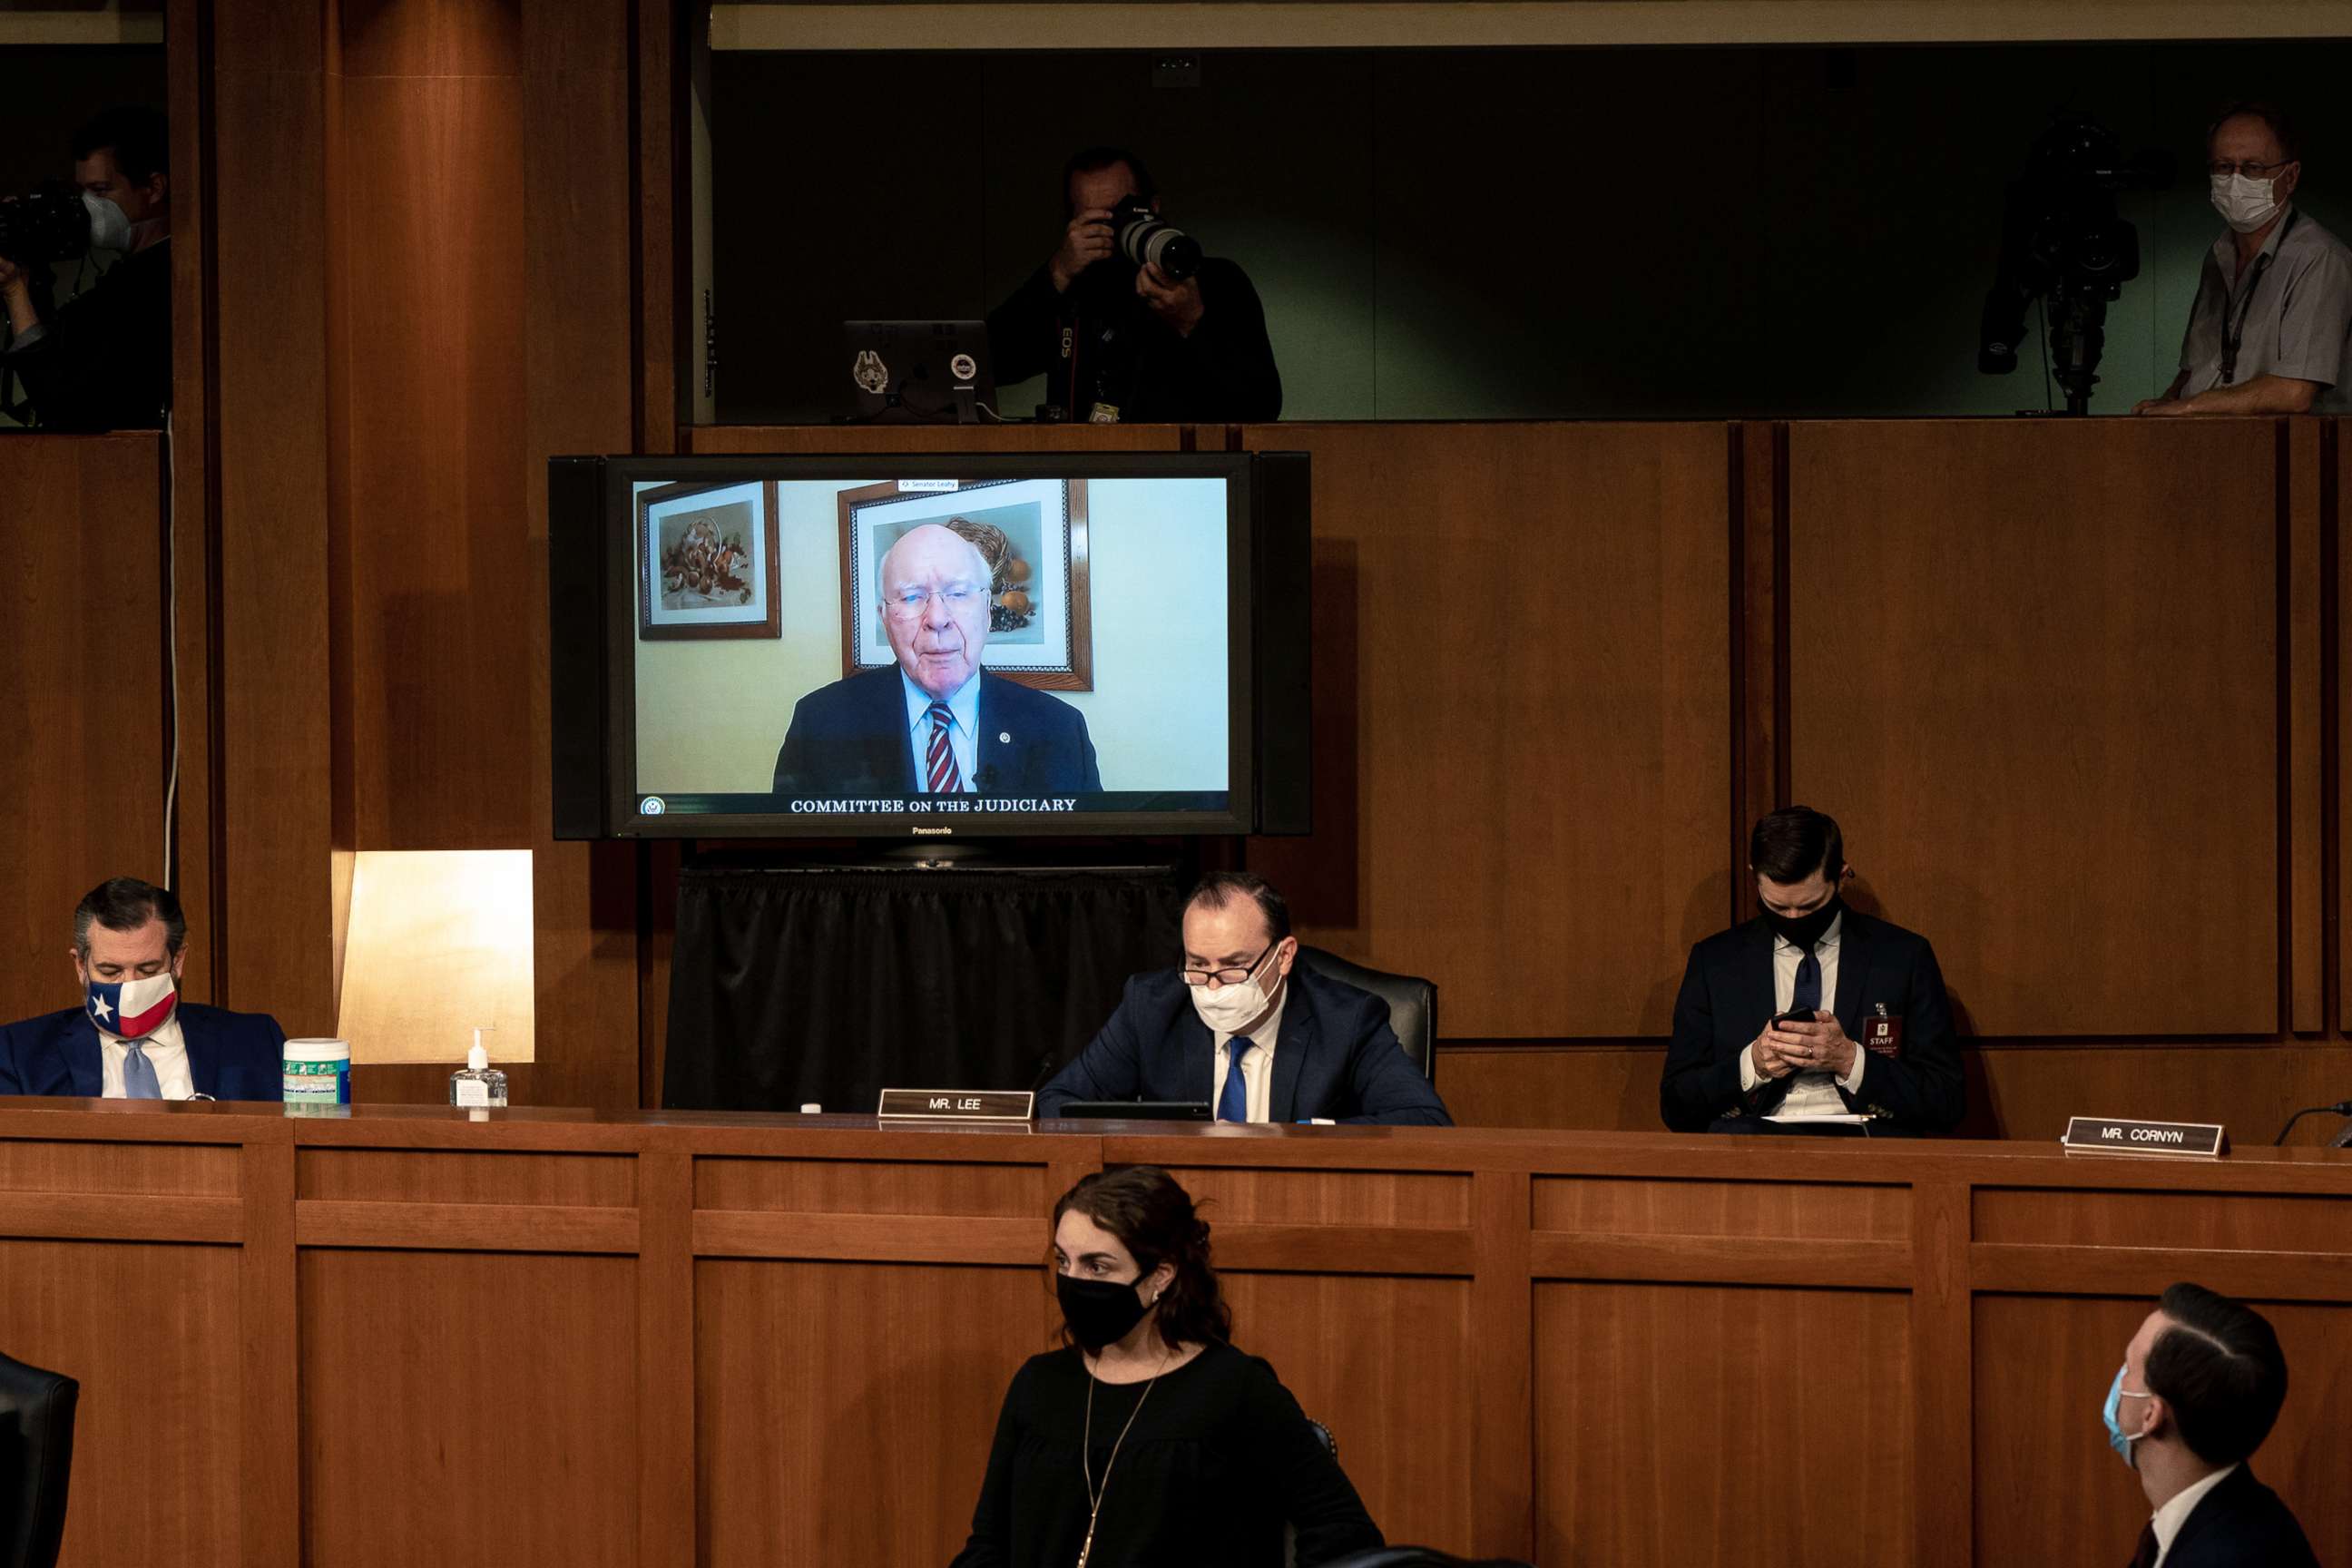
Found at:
[935, 723]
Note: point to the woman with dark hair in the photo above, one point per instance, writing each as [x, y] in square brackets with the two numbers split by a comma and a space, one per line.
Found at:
[1148, 1438]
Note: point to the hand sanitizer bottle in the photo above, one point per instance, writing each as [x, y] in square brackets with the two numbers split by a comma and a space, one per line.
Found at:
[477, 1082]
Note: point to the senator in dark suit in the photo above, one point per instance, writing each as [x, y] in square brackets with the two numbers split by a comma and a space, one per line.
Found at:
[133, 1037]
[230, 1056]
[1728, 1067]
[2200, 1386]
[853, 738]
[1307, 1047]
[935, 723]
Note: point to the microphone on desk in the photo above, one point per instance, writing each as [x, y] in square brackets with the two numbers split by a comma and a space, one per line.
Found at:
[1045, 1069]
[2341, 1107]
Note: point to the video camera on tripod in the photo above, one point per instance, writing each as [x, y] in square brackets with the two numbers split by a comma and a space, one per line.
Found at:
[2061, 240]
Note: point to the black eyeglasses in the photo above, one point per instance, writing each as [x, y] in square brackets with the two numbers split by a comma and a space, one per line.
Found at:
[2221, 169]
[1229, 976]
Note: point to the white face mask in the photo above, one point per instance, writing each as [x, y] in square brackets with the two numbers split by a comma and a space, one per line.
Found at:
[2246, 203]
[109, 227]
[1225, 1008]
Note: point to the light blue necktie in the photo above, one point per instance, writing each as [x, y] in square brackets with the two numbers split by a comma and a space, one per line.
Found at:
[139, 1080]
[1233, 1103]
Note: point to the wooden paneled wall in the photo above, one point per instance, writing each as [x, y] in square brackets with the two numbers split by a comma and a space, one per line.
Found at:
[85, 737]
[410, 276]
[2074, 687]
[2071, 688]
[551, 1338]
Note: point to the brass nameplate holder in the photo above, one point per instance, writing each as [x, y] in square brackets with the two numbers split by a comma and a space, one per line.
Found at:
[955, 1105]
[2146, 1140]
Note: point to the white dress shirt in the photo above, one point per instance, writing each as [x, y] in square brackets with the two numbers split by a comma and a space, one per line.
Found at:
[1811, 1093]
[166, 1048]
[2175, 1512]
[1257, 1065]
[963, 733]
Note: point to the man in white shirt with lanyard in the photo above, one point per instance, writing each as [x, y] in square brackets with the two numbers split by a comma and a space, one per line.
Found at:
[2271, 330]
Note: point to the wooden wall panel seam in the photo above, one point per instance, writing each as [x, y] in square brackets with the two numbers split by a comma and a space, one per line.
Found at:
[1405, 1250]
[876, 1239]
[665, 1362]
[2335, 683]
[2077, 1270]
[464, 1227]
[269, 1498]
[1723, 1260]
[1502, 1438]
[1943, 1403]
[131, 1216]
[2302, 933]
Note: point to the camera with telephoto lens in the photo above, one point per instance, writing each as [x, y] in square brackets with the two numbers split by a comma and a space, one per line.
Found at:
[1148, 241]
[48, 225]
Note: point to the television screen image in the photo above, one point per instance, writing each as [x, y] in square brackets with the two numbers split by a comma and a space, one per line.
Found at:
[894, 646]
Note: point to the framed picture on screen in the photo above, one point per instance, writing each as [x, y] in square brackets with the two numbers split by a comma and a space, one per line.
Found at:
[707, 561]
[1031, 535]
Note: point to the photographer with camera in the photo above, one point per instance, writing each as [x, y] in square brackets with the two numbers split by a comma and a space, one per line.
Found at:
[103, 359]
[1127, 318]
[2271, 326]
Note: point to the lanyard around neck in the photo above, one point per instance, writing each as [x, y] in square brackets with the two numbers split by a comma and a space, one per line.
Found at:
[2234, 322]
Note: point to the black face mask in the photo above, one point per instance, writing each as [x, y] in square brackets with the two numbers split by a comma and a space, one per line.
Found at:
[1805, 930]
[1099, 1311]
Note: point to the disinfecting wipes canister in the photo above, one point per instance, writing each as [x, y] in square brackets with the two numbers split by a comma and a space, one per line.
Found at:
[318, 1072]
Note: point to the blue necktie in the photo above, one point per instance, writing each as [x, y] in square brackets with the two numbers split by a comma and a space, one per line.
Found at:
[1807, 996]
[139, 1080]
[1233, 1103]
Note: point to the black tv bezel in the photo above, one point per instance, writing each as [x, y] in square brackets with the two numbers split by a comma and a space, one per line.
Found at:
[624, 819]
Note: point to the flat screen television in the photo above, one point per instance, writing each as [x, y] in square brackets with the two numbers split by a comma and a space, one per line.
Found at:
[936, 647]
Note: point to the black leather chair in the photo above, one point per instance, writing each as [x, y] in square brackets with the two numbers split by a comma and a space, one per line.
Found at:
[1412, 1001]
[36, 1422]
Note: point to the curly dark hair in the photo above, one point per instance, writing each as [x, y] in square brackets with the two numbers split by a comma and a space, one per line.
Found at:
[1153, 1218]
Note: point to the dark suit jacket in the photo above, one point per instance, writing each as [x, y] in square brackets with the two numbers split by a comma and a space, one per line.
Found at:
[1335, 1055]
[852, 738]
[2241, 1523]
[1727, 1000]
[231, 1056]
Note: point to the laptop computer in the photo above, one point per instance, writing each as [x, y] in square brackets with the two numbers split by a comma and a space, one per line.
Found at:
[917, 371]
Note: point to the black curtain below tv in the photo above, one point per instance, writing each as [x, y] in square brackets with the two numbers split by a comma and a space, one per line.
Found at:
[799, 986]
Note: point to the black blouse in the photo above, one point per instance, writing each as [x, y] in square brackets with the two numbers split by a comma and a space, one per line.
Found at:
[1219, 1460]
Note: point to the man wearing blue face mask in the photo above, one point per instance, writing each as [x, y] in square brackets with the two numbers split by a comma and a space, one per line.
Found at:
[2271, 330]
[133, 1037]
[1239, 1028]
[103, 359]
[2201, 1386]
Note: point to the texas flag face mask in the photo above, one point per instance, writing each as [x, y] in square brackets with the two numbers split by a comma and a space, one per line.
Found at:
[133, 1009]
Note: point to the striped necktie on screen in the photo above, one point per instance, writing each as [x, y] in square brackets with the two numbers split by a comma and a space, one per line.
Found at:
[939, 772]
